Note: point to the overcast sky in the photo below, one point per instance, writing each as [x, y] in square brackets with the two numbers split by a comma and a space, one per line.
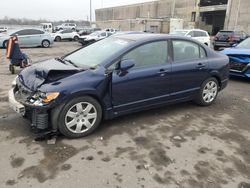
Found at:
[56, 9]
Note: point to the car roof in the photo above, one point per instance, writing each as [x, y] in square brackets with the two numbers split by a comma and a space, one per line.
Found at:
[148, 37]
[191, 30]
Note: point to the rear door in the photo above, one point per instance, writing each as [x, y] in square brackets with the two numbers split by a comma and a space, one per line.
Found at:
[148, 82]
[23, 37]
[35, 37]
[189, 68]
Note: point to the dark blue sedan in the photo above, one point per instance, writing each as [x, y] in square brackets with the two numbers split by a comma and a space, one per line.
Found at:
[116, 76]
[239, 57]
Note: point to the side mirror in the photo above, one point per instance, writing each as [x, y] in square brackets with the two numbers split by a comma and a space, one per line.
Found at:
[189, 36]
[126, 64]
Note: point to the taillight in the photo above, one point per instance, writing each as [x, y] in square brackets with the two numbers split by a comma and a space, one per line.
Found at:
[231, 39]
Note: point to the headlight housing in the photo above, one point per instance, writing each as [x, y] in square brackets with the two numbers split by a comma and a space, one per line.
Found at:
[41, 98]
[13, 83]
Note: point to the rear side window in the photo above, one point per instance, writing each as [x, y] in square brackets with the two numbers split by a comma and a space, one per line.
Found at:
[224, 33]
[103, 34]
[186, 51]
[150, 54]
[67, 31]
[35, 32]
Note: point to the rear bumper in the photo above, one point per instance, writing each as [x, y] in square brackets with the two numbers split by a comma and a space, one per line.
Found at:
[223, 84]
[223, 44]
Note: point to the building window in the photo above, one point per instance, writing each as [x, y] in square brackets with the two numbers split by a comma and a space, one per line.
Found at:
[193, 16]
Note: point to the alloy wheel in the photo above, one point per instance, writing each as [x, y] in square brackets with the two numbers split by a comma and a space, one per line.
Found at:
[210, 91]
[80, 117]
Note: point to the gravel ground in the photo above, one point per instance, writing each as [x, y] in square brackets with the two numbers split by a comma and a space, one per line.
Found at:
[182, 145]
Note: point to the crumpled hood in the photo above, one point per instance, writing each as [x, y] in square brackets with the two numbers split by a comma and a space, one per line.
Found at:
[47, 71]
[237, 54]
[236, 51]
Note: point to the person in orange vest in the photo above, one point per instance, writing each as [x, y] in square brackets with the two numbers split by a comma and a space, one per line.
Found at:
[14, 54]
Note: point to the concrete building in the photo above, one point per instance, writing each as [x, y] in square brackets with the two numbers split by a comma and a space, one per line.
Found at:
[210, 15]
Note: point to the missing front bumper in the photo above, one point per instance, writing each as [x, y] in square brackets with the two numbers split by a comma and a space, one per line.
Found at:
[14, 104]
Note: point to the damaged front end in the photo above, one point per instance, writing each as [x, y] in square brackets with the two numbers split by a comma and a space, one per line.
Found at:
[239, 65]
[26, 98]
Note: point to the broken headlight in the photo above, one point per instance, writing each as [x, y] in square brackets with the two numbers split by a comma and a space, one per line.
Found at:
[41, 98]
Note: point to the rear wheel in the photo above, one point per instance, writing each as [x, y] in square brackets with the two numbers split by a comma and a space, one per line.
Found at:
[80, 117]
[76, 38]
[12, 69]
[5, 43]
[58, 39]
[45, 43]
[208, 92]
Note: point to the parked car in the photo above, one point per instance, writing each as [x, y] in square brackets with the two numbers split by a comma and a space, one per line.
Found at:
[65, 35]
[28, 38]
[228, 38]
[88, 31]
[197, 34]
[239, 57]
[3, 29]
[128, 32]
[66, 26]
[93, 37]
[116, 76]
[111, 30]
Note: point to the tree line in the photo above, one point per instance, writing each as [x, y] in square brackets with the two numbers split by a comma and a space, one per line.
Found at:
[25, 21]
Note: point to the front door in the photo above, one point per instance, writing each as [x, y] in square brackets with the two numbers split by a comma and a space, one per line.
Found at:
[147, 83]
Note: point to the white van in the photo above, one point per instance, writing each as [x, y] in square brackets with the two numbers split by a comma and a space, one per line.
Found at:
[47, 27]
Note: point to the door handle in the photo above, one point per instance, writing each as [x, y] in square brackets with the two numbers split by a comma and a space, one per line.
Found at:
[162, 72]
[200, 65]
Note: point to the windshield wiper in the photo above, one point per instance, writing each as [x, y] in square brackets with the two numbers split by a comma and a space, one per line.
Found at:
[60, 59]
[72, 63]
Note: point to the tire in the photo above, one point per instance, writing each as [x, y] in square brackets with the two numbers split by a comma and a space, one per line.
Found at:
[5, 44]
[74, 122]
[216, 48]
[45, 44]
[208, 92]
[76, 38]
[58, 39]
[12, 69]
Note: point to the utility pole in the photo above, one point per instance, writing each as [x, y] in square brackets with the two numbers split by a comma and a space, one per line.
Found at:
[173, 9]
[228, 15]
[90, 11]
[237, 15]
[197, 13]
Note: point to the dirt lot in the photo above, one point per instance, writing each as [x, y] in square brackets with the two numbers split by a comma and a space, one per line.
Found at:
[182, 145]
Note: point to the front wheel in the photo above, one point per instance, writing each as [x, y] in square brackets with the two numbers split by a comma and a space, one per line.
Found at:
[208, 92]
[80, 117]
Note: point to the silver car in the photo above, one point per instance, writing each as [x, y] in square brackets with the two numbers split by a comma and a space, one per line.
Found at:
[28, 38]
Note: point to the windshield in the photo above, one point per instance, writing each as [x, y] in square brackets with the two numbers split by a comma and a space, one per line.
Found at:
[179, 33]
[244, 44]
[96, 53]
[224, 33]
[94, 34]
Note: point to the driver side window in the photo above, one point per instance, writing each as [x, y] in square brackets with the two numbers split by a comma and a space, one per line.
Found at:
[150, 54]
